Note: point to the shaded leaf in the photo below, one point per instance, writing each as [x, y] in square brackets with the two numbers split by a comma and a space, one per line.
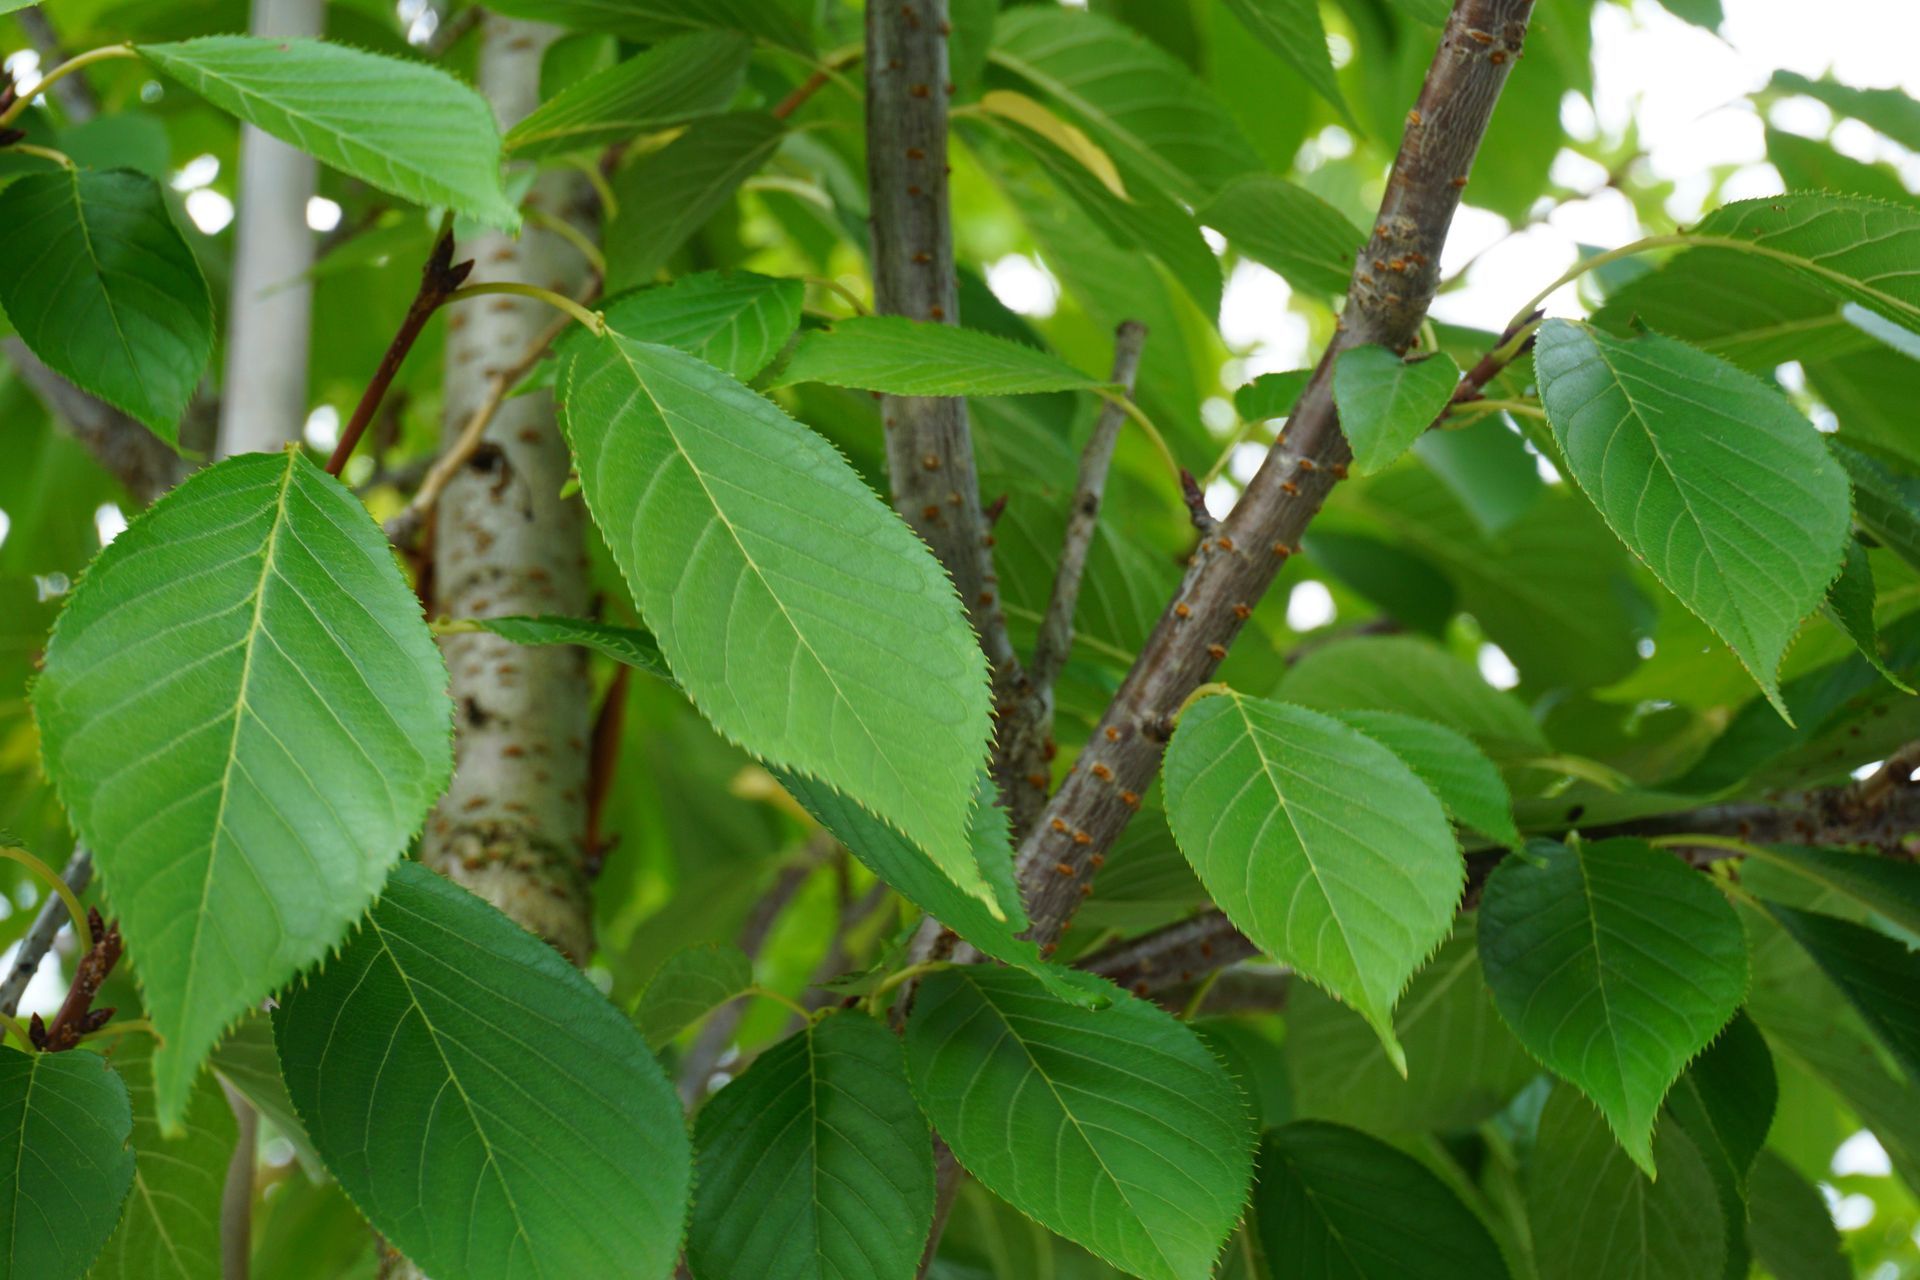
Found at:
[669, 84]
[1615, 964]
[249, 1061]
[902, 357]
[1333, 1202]
[1888, 110]
[1713, 479]
[629, 645]
[1318, 843]
[1114, 1127]
[690, 984]
[1877, 973]
[1138, 101]
[1287, 228]
[1600, 1218]
[1849, 605]
[778, 21]
[248, 721]
[1460, 776]
[484, 1106]
[64, 1161]
[815, 1163]
[405, 127]
[665, 196]
[1271, 395]
[1292, 29]
[816, 630]
[102, 287]
[1886, 500]
[170, 1229]
[1872, 882]
[1790, 1228]
[1386, 403]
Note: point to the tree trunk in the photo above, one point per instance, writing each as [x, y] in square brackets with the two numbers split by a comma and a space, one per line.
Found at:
[512, 826]
[270, 306]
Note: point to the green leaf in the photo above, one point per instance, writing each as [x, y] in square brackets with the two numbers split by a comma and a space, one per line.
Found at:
[1288, 228]
[1615, 964]
[690, 984]
[1319, 843]
[102, 287]
[650, 20]
[1399, 673]
[1139, 102]
[1874, 882]
[1701, 13]
[1386, 403]
[1596, 1217]
[1888, 110]
[1807, 164]
[666, 196]
[805, 620]
[1292, 29]
[1460, 776]
[1726, 1098]
[171, 1227]
[1488, 469]
[1463, 1065]
[1271, 395]
[1877, 973]
[629, 645]
[1849, 605]
[669, 84]
[64, 1161]
[1113, 1127]
[910, 872]
[1789, 1226]
[1856, 248]
[248, 721]
[734, 320]
[485, 1107]
[1886, 501]
[816, 1163]
[1712, 478]
[1408, 587]
[1333, 1202]
[404, 127]
[902, 357]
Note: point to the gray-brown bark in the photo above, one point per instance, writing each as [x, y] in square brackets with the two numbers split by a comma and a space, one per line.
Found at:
[270, 305]
[1393, 282]
[512, 825]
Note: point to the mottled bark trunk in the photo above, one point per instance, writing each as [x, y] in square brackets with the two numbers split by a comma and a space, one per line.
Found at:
[512, 825]
[270, 307]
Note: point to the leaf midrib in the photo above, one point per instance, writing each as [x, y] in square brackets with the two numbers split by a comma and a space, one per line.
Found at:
[100, 278]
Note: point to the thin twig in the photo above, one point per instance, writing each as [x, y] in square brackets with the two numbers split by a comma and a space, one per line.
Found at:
[77, 1017]
[78, 873]
[439, 278]
[236, 1196]
[1083, 518]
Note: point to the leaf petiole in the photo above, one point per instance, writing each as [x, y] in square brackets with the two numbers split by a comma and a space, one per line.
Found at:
[595, 323]
[81, 930]
[60, 72]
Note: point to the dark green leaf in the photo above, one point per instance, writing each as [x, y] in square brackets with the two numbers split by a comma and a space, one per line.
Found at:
[669, 84]
[1886, 500]
[1874, 882]
[816, 1163]
[1114, 1127]
[1789, 1226]
[666, 195]
[248, 720]
[778, 21]
[629, 645]
[64, 1161]
[1615, 964]
[1850, 603]
[1292, 29]
[689, 985]
[1879, 974]
[485, 1107]
[102, 287]
[1336, 1204]
[1288, 228]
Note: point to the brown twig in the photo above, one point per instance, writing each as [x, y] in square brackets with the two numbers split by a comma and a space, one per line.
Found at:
[438, 279]
[77, 1017]
[1392, 284]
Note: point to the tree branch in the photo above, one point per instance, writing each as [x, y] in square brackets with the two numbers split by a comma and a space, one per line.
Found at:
[929, 443]
[1393, 283]
[130, 453]
[78, 873]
